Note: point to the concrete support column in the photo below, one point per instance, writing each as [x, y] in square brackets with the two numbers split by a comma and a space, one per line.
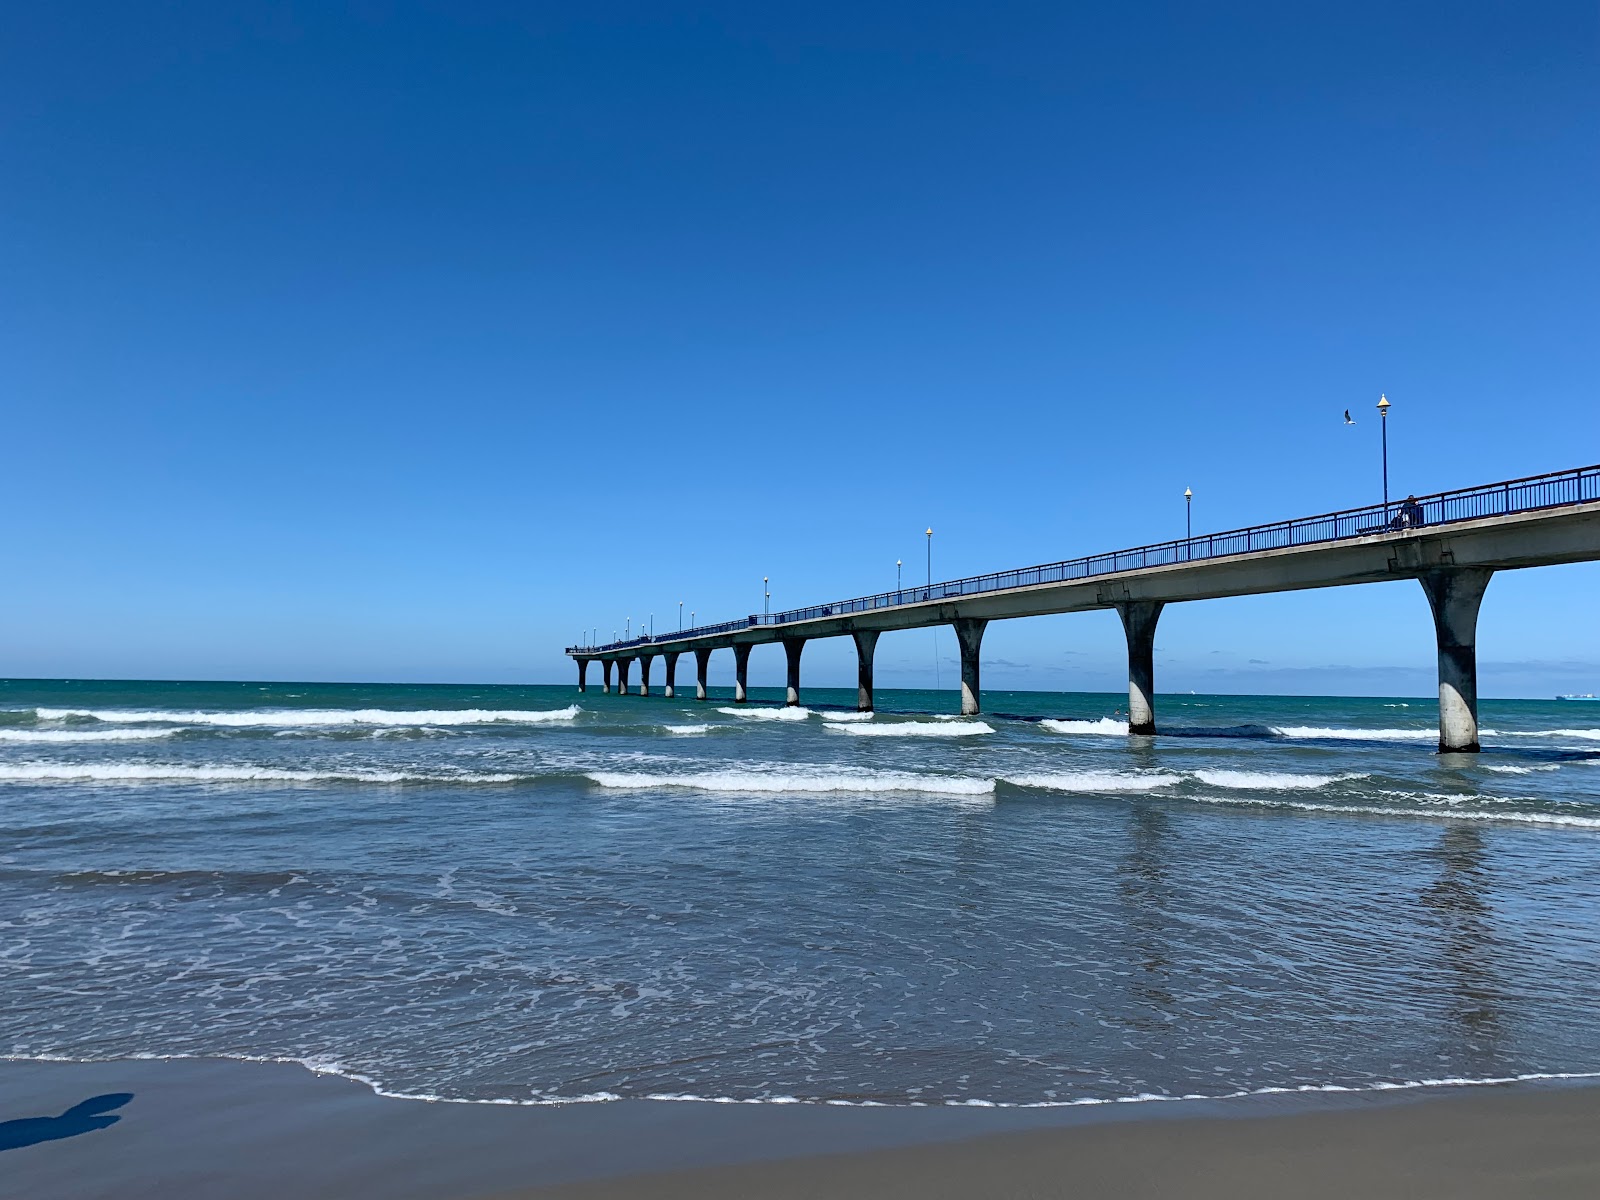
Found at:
[622, 676]
[605, 668]
[644, 673]
[702, 663]
[672, 672]
[969, 633]
[741, 671]
[583, 674]
[791, 650]
[866, 644]
[1139, 619]
[1454, 593]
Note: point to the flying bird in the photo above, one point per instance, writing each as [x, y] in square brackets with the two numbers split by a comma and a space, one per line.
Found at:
[1347, 418]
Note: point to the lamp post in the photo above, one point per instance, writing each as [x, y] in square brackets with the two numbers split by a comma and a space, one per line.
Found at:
[897, 575]
[1188, 523]
[766, 597]
[1383, 412]
[652, 627]
[627, 627]
[680, 616]
[929, 532]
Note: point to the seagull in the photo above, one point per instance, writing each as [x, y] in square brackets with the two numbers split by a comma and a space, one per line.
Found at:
[1347, 418]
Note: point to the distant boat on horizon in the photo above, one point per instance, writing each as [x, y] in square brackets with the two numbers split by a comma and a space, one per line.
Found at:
[1583, 696]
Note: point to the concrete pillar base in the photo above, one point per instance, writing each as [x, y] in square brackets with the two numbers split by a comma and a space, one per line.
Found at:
[866, 646]
[622, 675]
[1455, 594]
[583, 674]
[1139, 619]
[672, 674]
[644, 673]
[702, 660]
[969, 634]
[741, 672]
[605, 668]
[791, 650]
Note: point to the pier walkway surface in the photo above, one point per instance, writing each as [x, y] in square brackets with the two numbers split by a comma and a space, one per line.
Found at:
[1450, 542]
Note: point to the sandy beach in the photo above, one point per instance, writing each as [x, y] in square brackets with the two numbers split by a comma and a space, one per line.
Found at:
[247, 1131]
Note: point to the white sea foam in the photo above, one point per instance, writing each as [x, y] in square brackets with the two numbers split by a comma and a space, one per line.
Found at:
[1096, 781]
[210, 773]
[768, 714]
[1588, 735]
[83, 735]
[290, 717]
[847, 716]
[1359, 735]
[1105, 725]
[916, 729]
[797, 780]
[1523, 770]
[318, 1065]
[686, 729]
[1449, 814]
[1277, 781]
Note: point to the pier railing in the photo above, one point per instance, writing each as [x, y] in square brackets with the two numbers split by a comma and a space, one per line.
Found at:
[1531, 494]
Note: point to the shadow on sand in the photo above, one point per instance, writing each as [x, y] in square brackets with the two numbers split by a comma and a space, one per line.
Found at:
[80, 1118]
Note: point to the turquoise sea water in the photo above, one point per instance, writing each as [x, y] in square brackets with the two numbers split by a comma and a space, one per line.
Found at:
[523, 893]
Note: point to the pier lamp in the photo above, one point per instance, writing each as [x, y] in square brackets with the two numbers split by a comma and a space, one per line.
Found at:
[766, 602]
[627, 627]
[929, 532]
[652, 626]
[1188, 516]
[680, 616]
[897, 574]
[1383, 412]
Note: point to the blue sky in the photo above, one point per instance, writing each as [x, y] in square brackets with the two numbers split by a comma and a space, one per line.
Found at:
[393, 341]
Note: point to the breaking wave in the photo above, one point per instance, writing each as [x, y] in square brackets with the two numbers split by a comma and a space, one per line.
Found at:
[798, 781]
[916, 729]
[83, 735]
[1277, 781]
[1358, 735]
[847, 716]
[1105, 725]
[284, 718]
[1448, 814]
[1096, 781]
[768, 714]
[687, 729]
[134, 772]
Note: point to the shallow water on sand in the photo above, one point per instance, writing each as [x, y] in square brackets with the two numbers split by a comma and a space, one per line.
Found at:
[525, 894]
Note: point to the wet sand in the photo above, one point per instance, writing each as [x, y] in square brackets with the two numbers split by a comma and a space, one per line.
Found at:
[269, 1130]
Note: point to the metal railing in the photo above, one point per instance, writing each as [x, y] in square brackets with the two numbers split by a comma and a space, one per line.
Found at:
[1578, 486]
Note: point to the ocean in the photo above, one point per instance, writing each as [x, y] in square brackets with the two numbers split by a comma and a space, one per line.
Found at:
[528, 895]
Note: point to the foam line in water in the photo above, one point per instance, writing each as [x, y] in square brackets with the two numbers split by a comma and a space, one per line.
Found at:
[687, 729]
[1523, 770]
[1449, 814]
[916, 729]
[1276, 781]
[1096, 781]
[289, 717]
[847, 716]
[127, 772]
[768, 714]
[83, 735]
[330, 1066]
[797, 780]
[1105, 725]
[1330, 733]
[1588, 735]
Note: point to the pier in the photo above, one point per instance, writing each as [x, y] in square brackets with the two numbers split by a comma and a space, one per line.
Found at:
[1451, 543]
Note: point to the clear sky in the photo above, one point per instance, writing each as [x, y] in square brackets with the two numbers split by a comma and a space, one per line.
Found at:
[407, 341]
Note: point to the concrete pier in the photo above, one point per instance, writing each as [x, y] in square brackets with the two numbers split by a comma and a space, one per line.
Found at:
[1455, 594]
[583, 674]
[1139, 619]
[644, 673]
[866, 645]
[672, 673]
[969, 633]
[1451, 542]
[791, 650]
